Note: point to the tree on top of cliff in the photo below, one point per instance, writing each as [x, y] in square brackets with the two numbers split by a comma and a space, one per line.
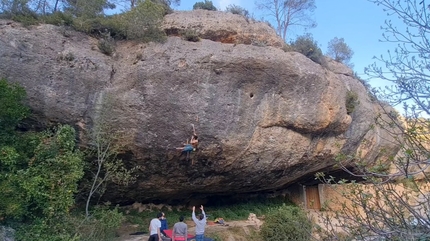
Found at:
[289, 13]
[207, 5]
[340, 51]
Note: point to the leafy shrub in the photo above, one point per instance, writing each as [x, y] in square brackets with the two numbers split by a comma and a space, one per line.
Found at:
[351, 102]
[309, 47]
[43, 229]
[58, 18]
[286, 223]
[12, 109]
[166, 5]
[144, 22]
[106, 46]
[89, 25]
[207, 5]
[191, 35]
[101, 225]
[26, 20]
[235, 9]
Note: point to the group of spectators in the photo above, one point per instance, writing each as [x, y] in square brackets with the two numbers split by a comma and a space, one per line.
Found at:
[158, 226]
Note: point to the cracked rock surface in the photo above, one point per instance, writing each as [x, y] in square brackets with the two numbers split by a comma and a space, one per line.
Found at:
[265, 118]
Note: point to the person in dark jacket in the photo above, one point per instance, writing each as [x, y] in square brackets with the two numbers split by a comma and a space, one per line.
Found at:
[164, 224]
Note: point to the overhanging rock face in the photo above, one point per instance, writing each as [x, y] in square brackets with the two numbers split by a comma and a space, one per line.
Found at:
[265, 117]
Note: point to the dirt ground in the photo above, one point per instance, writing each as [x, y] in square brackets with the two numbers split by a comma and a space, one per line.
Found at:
[232, 231]
[242, 230]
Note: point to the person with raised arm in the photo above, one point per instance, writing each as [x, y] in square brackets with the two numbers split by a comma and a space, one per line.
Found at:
[200, 222]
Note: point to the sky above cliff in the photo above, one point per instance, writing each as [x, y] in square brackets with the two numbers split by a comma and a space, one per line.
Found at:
[357, 21]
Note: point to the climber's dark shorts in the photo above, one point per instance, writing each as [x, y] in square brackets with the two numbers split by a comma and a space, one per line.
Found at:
[188, 148]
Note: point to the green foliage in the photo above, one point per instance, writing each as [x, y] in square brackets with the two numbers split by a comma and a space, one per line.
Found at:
[41, 229]
[53, 194]
[39, 173]
[207, 5]
[351, 102]
[144, 22]
[191, 35]
[340, 51]
[309, 47]
[44, 185]
[58, 19]
[74, 227]
[26, 19]
[286, 223]
[98, 25]
[101, 225]
[12, 109]
[230, 212]
[166, 4]
[89, 9]
[106, 46]
[235, 9]
[242, 209]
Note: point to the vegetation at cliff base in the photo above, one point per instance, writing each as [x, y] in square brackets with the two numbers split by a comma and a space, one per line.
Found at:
[39, 177]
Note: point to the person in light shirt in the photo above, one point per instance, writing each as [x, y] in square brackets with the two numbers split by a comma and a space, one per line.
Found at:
[154, 228]
[200, 223]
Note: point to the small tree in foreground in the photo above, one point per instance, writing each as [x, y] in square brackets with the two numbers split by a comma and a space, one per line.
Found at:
[105, 142]
[286, 223]
[395, 202]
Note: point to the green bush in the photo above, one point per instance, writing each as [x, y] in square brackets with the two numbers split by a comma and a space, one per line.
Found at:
[43, 229]
[144, 22]
[58, 18]
[12, 109]
[309, 47]
[191, 35]
[89, 25]
[26, 20]
[286, 223]
[102, 225]
[235, 9]
[106, 46]
[351, 101]
[207, 5]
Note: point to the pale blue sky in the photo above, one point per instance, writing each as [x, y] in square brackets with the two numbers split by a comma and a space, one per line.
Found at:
[357, 21]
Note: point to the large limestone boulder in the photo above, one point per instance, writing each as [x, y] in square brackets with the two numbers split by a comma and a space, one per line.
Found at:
[222, 27]
[265, 118]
